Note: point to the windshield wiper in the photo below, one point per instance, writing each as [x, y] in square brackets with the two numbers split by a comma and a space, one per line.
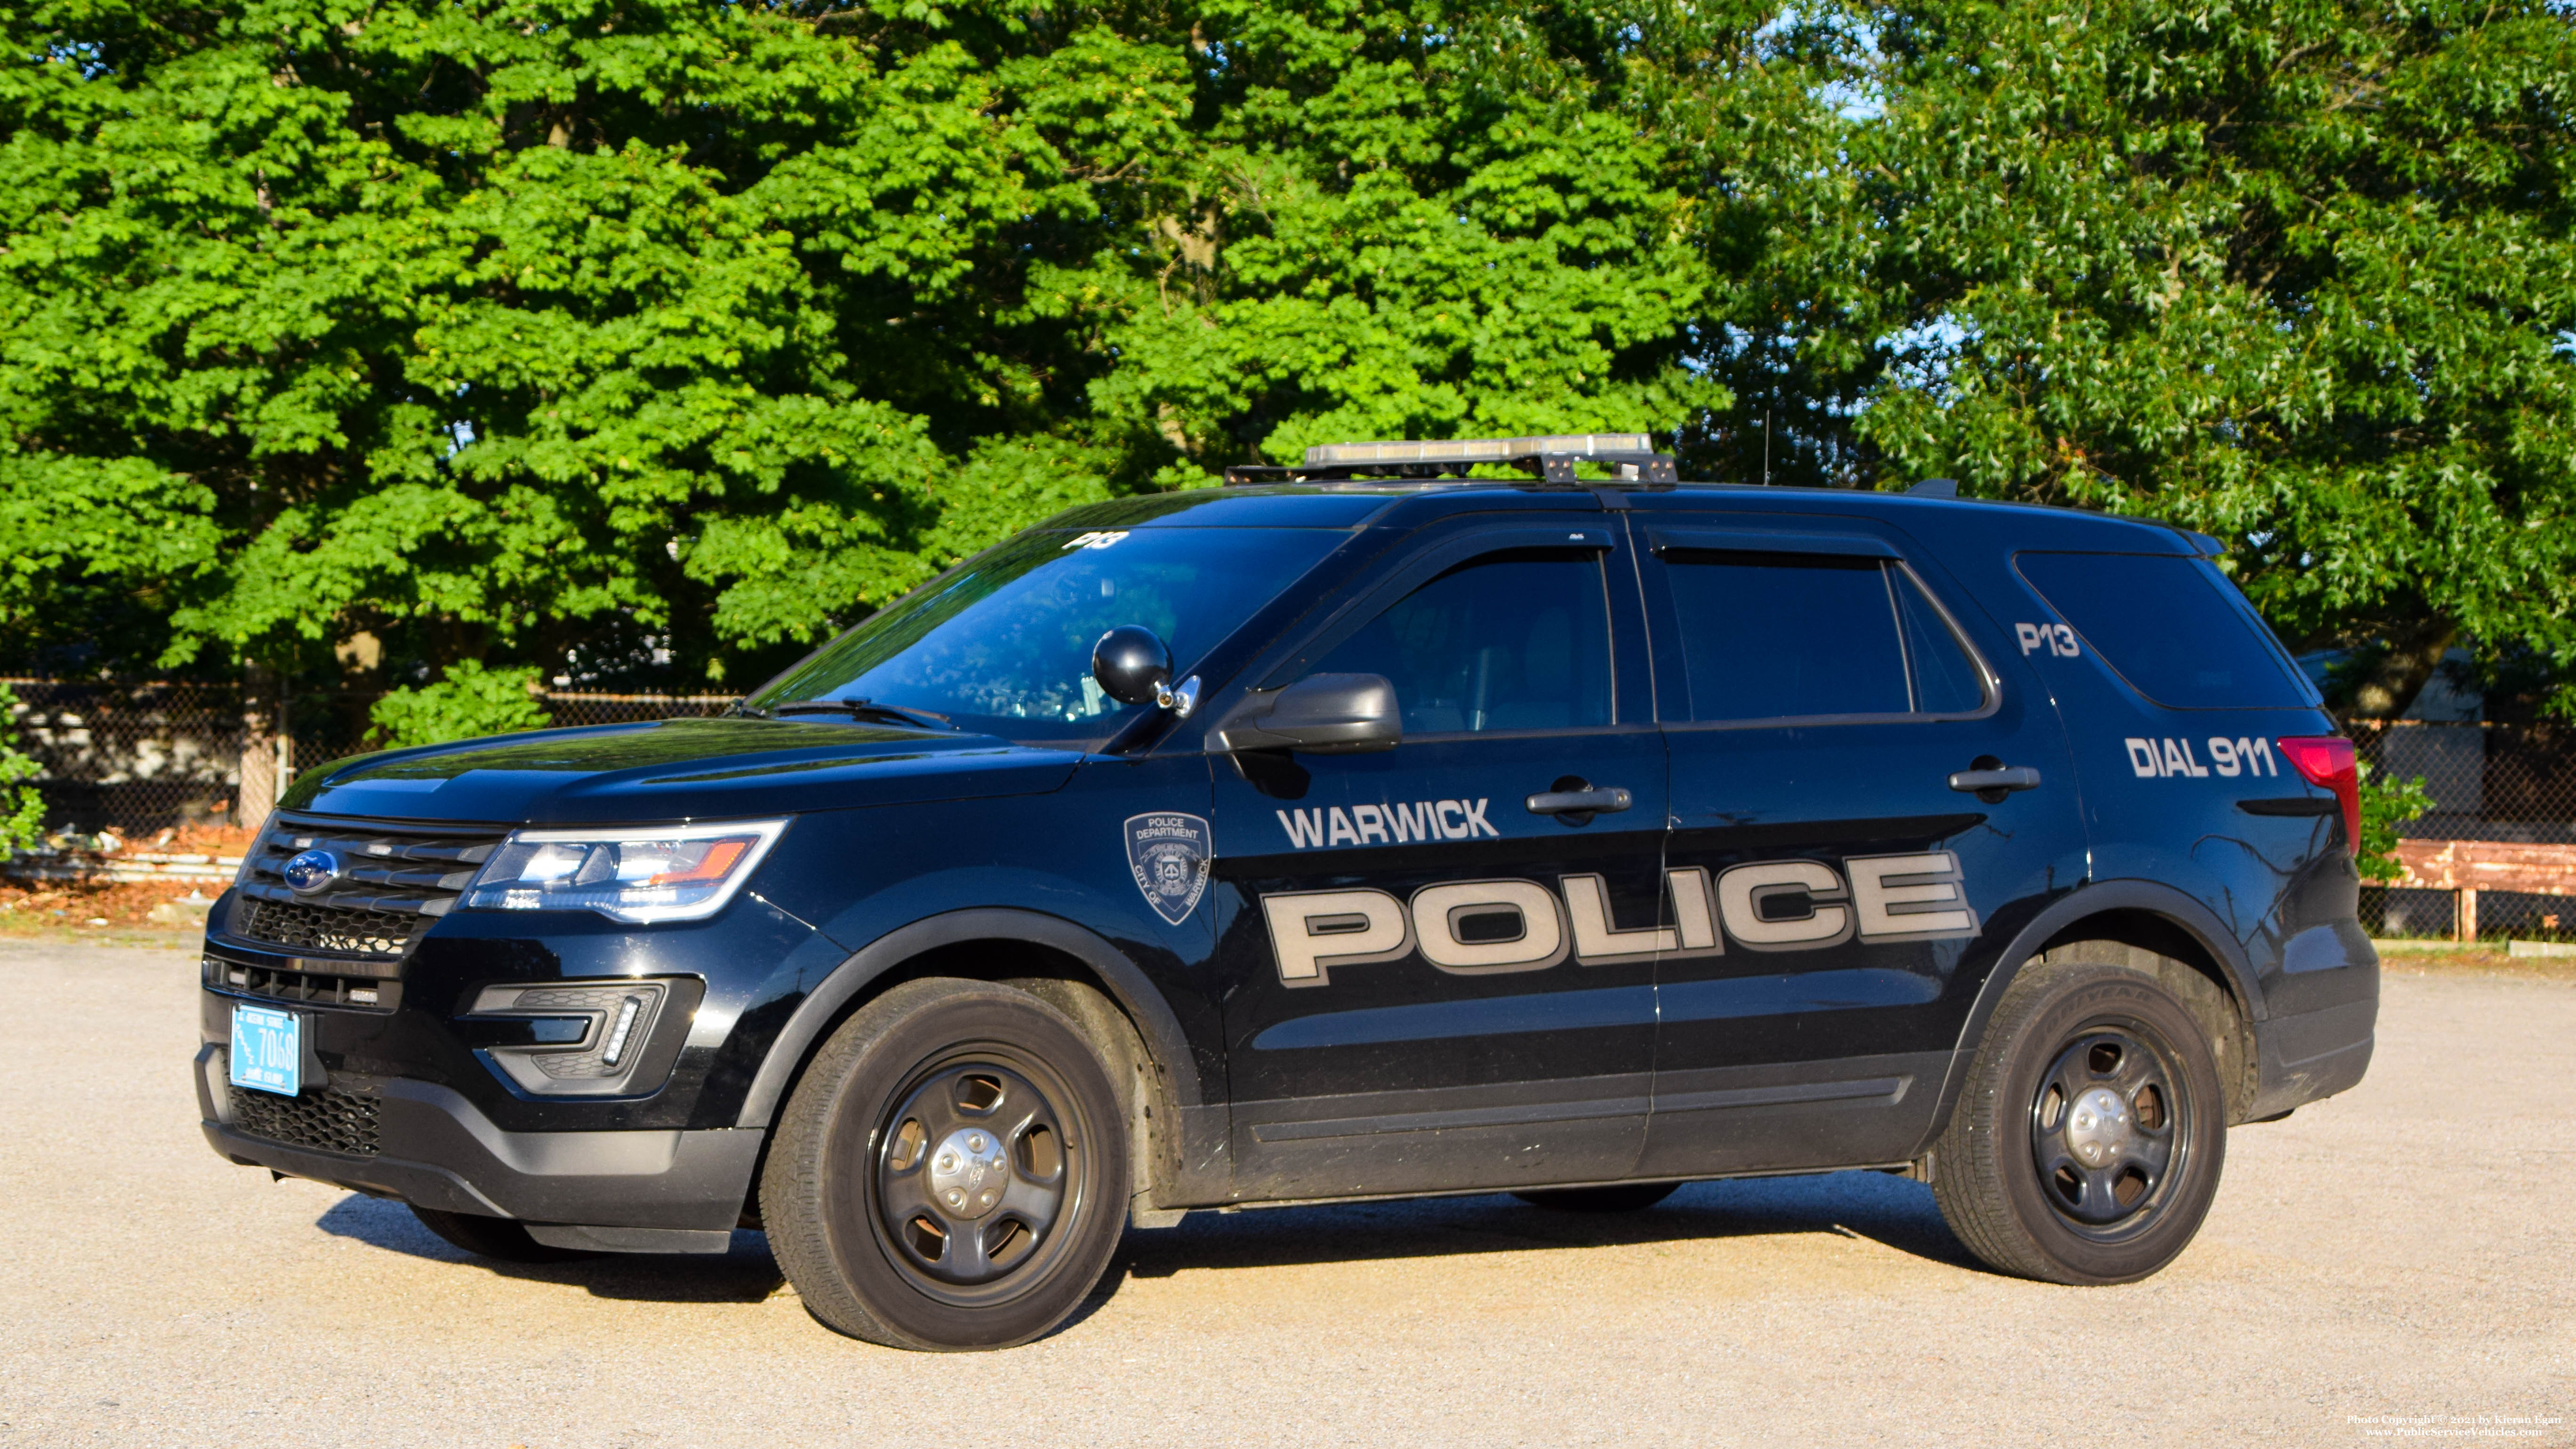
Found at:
[920, 719]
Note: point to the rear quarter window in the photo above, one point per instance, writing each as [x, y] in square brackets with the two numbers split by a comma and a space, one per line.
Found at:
[2171, 626]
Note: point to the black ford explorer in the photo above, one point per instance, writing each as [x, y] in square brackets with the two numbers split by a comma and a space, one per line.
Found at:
[1354, 831]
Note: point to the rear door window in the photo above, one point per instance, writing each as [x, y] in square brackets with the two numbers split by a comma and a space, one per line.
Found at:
[2171, 626]
[1810, 636]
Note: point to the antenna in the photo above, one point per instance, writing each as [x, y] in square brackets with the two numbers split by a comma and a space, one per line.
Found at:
[1766, 447]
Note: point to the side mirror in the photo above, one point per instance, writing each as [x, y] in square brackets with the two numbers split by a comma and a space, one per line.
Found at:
[1134, 666]
[1322, 714]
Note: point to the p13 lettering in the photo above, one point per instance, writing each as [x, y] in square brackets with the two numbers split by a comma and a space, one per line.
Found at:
[2173, 759]
[1771, 905]
[2059, 639]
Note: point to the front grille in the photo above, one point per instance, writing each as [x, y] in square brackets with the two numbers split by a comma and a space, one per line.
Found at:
[318, 988]
[395, 880]
[302, 927]
[322, 1119]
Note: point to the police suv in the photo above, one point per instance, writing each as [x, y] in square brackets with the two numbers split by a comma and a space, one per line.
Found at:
[1363, 829]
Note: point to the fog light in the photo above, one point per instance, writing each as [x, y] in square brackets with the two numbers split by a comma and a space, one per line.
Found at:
[616, 1047]
[583, 1038]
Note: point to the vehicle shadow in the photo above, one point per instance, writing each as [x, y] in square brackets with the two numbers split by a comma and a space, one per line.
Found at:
[745, 1273]
[1873, 1205]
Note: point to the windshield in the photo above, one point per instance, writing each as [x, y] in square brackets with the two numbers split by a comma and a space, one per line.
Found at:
[1002, 644]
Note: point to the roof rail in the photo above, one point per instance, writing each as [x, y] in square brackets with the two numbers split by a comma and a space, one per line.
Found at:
[1550, 458]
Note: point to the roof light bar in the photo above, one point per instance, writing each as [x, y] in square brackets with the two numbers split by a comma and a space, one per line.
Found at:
[1581, 446]
[1551, 457]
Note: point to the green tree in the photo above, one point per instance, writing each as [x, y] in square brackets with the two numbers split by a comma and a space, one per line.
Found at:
[1426, 222]
[2298, 273]
[470, 701]
[22, 809]
[2386, 803]
[471, 327]
[645, 341]
[649, 340]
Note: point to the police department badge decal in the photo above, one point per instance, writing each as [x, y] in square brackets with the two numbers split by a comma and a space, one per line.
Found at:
[1169, 855]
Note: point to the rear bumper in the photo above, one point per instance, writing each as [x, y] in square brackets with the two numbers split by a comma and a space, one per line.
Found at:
[2317, 1039]
[2313, 1055]
[435, 1149]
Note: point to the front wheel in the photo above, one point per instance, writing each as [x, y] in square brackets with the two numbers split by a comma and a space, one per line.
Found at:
[2087, 1145]
[951, 1173]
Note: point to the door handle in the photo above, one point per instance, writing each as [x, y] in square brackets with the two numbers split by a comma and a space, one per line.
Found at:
[1998, 781]
[1608, 801]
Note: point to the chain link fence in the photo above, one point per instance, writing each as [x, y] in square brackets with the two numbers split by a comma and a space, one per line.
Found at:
[136, 756]
[143, 757]
[2488, 781]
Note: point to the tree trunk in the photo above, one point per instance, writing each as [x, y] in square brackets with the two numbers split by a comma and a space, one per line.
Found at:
[2396, 677]
[259, 782]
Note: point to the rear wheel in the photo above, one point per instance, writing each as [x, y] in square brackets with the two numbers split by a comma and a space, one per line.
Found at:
[951, 1173]
[2088, 1143]
[499, 1239]
[1618, 1197]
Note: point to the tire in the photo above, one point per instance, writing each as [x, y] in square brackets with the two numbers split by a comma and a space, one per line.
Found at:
[1618, 1197]
[951, 1171]
[499, 1239]
[2087, 1144]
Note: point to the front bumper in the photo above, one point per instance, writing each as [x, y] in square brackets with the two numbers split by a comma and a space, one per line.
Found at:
[637, 1190]
[416, 1088]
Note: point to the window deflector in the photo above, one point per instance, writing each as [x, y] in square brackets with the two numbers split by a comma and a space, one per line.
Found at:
[1746, 540]
[1432, 562]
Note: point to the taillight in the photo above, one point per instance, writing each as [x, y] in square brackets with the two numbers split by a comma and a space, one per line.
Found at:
[2328, 760]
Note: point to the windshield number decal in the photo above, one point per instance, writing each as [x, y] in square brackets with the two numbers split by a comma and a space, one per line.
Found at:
[1094, 540]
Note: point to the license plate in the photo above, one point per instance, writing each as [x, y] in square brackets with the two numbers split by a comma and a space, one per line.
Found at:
[268, 1050]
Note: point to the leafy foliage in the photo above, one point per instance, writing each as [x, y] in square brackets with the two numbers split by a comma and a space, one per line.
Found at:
[2386, 803]
[22, 809]
[2296, 273]
[471, 701]
[647, 342]
[635, 337]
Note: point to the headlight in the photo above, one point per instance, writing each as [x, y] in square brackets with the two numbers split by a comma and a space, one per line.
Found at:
[641, 875]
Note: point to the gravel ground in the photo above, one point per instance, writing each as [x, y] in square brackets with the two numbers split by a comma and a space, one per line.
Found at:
[2391, 1262]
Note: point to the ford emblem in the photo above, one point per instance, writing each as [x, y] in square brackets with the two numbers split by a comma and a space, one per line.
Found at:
[312, 871]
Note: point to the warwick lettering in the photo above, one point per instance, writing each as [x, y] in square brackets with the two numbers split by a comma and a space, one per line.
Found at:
[1387, 824]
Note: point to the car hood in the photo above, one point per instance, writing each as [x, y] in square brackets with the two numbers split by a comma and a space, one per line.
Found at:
[678, 769]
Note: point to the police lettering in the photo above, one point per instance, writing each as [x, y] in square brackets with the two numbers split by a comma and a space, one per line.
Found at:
[1772, 905]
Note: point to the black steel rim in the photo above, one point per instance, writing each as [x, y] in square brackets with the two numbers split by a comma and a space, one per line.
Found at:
[2109, 1128]
[975, 1174]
